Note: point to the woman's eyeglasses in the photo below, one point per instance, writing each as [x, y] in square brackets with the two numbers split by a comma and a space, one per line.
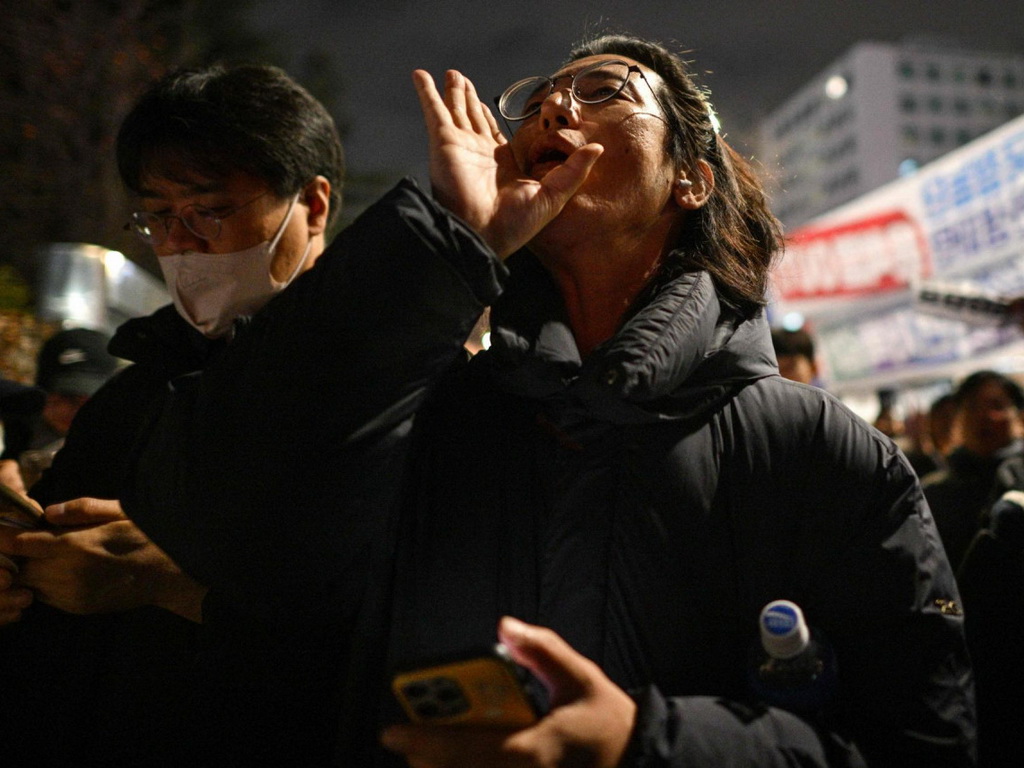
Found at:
[598, 82]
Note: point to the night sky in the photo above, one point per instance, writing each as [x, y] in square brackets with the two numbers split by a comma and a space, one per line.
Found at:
[751, 55]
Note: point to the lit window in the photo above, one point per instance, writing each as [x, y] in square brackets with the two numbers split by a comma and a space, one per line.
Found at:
[836, 87]
[908, 167]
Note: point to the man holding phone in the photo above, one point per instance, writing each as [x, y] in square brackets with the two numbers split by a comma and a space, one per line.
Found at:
[257, 159]
[274, 341]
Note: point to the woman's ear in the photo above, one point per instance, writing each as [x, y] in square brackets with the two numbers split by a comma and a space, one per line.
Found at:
[317, 198]
[692, 189]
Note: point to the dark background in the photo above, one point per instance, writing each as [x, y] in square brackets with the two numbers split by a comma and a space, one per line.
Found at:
[70, 69]
[751, 55]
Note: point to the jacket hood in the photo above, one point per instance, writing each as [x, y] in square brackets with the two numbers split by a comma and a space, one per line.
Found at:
[677, 356]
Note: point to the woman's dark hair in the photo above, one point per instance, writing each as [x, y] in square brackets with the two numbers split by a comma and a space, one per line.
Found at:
[218, 120]
[733, 236]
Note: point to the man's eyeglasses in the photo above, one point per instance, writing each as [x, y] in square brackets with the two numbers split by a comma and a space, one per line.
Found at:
[601, 81]
[205, 223]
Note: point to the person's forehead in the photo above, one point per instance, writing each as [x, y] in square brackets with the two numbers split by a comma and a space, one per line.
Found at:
[161, 183]
[186, 181]
[988, 391]
[575, 66]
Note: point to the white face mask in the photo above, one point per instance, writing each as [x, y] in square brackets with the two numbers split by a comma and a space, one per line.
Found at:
[210, 290]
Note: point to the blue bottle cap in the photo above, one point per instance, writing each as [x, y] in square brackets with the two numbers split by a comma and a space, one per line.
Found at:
[784, 632]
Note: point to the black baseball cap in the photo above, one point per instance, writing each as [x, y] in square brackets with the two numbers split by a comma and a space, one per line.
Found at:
[19, 398]
[75, 362]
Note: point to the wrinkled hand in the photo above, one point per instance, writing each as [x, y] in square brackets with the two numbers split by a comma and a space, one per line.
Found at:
[95, 560]
[13, 599]
[589, 724]
[474, 174]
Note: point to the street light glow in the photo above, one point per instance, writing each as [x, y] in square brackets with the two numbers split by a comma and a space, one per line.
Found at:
[836, 87]
[793, 321]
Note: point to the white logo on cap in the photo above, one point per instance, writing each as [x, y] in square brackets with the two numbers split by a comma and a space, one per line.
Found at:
[72, 356]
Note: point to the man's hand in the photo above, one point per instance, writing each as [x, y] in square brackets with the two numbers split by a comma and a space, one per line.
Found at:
[13, 599]
[589, 724]
[473, 172]
[95, 560]
[10, 475]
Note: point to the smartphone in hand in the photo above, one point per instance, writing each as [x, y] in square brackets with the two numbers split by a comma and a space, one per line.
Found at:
[484, 687]
[19, 511]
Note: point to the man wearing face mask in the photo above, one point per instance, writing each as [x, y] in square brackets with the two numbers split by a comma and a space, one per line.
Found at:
[232, 653]
[211, 289]
[238, 173]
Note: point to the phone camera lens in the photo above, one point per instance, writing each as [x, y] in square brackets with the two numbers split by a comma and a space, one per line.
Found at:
[427, 709]
[447, 691]
[415, 690]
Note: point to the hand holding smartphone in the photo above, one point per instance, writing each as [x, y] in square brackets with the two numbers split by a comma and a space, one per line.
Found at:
[19, 511]
[477, 688]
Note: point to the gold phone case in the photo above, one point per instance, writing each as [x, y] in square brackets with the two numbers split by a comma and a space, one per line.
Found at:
[484, 690]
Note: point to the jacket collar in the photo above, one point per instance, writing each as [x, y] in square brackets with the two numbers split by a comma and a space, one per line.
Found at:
[164, 339]
[677, 355]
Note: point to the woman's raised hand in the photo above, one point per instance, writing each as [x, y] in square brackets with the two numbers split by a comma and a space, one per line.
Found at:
[474, 174]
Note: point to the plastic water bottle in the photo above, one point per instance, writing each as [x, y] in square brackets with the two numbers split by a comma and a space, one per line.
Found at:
[793, 666]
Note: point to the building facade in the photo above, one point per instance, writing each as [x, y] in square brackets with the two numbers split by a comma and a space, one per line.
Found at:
[880, 112]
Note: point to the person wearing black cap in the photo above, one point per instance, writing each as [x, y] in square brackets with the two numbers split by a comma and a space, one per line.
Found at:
[71, 367]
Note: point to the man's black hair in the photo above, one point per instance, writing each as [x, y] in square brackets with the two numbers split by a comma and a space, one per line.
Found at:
[218, 120]
[788, 342]
[941, 402]
[976, 380]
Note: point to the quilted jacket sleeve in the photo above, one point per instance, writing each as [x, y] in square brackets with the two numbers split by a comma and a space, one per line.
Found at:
[268, 477]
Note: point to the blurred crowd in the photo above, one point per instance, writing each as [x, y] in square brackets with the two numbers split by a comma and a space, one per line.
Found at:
[967, 447]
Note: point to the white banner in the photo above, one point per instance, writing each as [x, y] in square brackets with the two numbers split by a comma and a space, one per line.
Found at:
[852, 272]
